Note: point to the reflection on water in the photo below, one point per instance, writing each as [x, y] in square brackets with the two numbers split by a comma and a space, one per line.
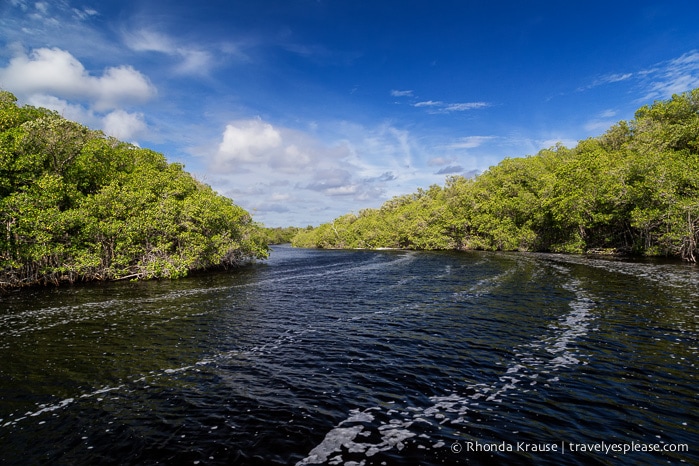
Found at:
[357, 357]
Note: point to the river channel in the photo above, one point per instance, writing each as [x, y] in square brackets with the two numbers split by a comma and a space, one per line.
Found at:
[359, 358]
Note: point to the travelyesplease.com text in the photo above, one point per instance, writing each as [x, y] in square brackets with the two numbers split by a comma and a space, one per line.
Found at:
[564, 447]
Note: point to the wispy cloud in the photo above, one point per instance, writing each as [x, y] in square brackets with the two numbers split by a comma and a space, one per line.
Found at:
[601, 121]
[606, 79]
[56, 23]
[191, 59]
[397, 93]
[85, 13]
[659, 81]
[460, 107]
[469, 142]
[440, 161]
[320, 54]
[438, 106]
[673, 77]
[429, 103]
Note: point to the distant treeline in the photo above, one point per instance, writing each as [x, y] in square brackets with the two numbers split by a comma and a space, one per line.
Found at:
[76, 205]
[279, 235]
[633, 190]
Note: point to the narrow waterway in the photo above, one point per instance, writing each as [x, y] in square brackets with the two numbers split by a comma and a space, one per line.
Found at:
[359, 358]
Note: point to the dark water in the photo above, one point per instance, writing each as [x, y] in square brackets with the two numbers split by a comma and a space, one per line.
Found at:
[358, 357]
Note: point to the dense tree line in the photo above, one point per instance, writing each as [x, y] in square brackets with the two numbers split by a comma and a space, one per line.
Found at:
[76, 205]
[634, 190]
[279, 235]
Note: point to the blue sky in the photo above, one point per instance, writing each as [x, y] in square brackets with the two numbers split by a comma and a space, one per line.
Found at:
[303, 110]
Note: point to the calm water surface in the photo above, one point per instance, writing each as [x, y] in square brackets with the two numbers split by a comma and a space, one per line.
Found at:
[359, 358]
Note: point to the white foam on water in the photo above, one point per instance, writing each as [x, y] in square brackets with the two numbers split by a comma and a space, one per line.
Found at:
[527, 366]
[78, 313]
[48, 408]
[393, 435]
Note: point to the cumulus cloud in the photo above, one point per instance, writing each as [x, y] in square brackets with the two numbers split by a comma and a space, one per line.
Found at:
[52, 71]
[123, 125]
[64, 108]
[250, 141]
[117, 123]
[351, 163]
[254, 144]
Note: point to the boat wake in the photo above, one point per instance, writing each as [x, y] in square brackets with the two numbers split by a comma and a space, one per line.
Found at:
[378, 429]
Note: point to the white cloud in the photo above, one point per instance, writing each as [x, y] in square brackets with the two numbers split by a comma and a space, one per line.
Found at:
[149, 41]
[548, 143]
[255, 161]
[460, 107]
[602, 121]
[598, 126]
[247, 141]
[67, 110]
[193, 60]
[469, 142]
[429, 103]
[437, 106]
[660, 81]
[397, 93]
[118, 123]
[607, 79]
[439, 161]
[123, 125]
[57, 72]
[615, 78]
[674, 76]
[23, 4]
[85, 13]
[42, 7]
[257, 146]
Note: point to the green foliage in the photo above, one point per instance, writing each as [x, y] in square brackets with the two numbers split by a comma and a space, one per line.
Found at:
[279, 235]
[635, 189]
[75, 205]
